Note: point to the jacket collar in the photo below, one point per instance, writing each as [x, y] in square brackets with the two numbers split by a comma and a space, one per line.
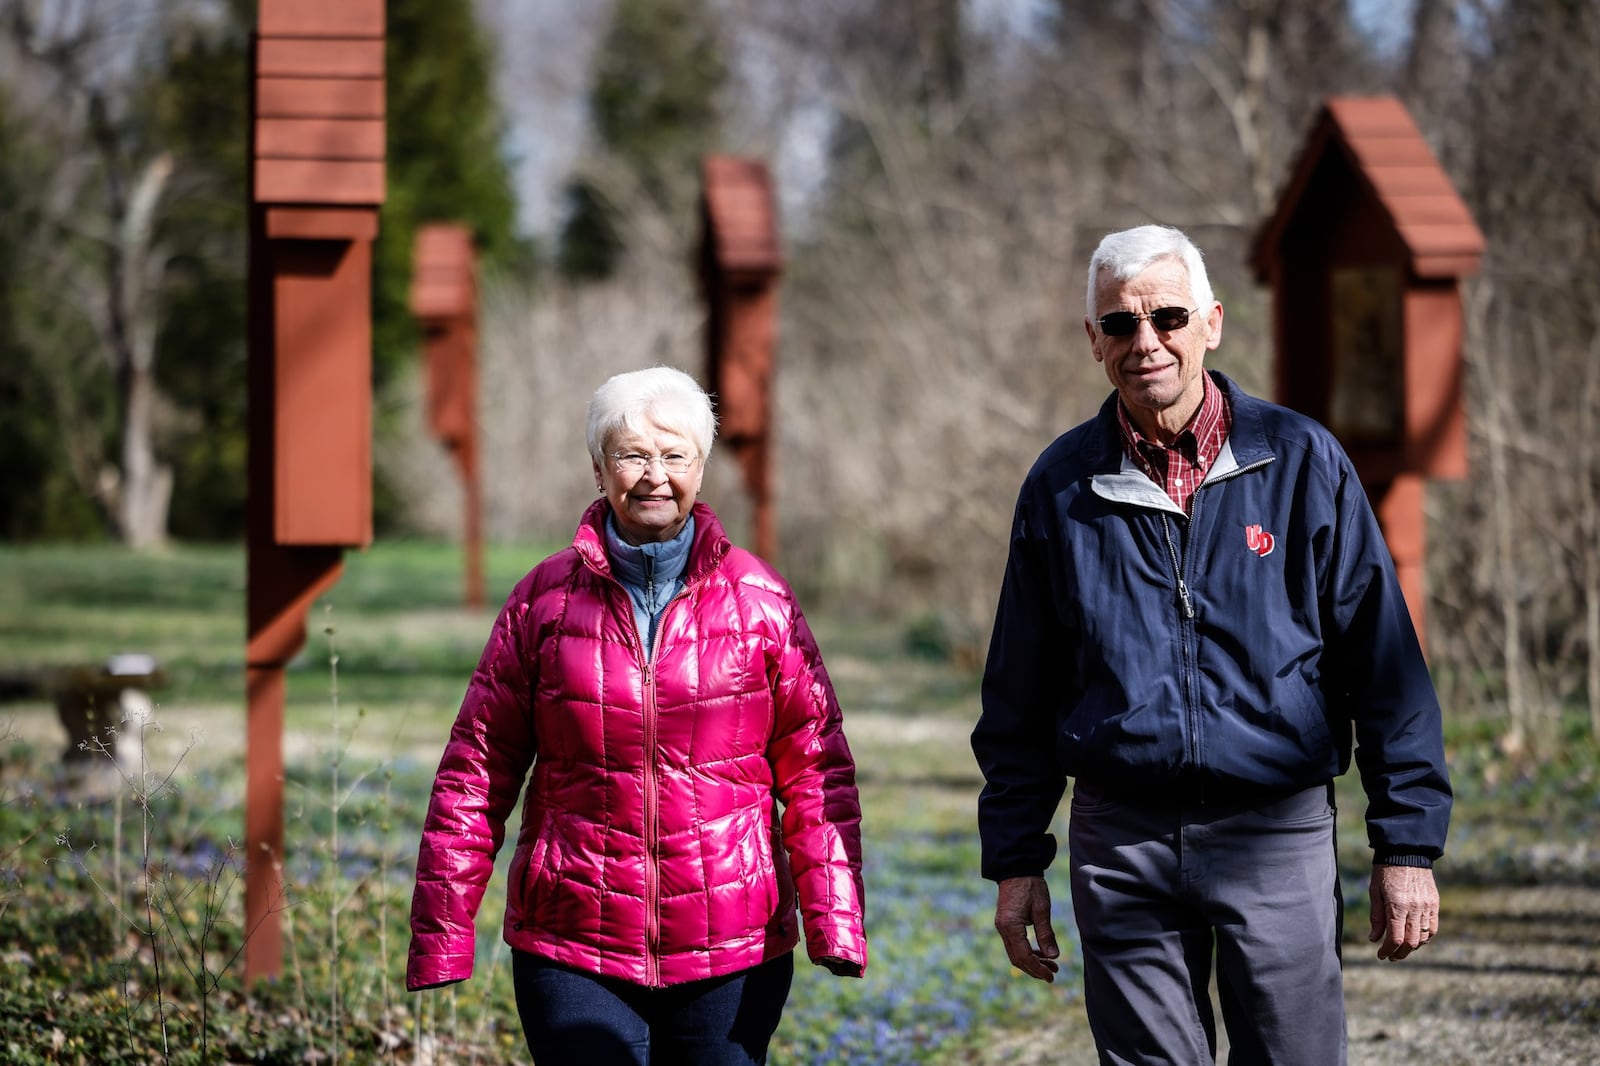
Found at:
[710, 546]
[658, 562]
[1248, 436]
[1119, 479]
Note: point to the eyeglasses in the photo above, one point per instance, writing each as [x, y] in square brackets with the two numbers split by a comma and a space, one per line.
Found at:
[1126, 323]
[638, 462]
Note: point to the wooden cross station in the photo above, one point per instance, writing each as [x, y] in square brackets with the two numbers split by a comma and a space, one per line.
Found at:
[740, 260]
[444, 300]
[316, 180]
[1365, 255]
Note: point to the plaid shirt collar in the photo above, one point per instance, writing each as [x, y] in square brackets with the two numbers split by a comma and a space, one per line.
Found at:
[1180, 467]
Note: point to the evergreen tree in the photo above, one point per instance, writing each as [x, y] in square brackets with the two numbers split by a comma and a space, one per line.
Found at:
[199, 108]
[445, 164]
[590, 244]
[38, 495]
[445, 161]
[654, 108]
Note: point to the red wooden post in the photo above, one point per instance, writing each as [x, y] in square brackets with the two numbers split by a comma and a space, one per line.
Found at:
[1365, 255]
[444, 300]
[316, 180]
[740, 261]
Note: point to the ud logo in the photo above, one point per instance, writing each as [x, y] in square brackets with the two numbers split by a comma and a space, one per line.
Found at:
[1259, 540]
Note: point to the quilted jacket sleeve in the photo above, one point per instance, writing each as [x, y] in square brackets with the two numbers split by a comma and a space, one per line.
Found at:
[480, 776]
[815, 779]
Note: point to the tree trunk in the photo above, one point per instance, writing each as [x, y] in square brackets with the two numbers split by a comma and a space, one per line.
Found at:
[1588, 470]
[145, 485]
[145, 488]
[1501, 502]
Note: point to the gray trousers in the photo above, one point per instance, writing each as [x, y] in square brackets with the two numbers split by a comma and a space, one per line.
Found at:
[1159, 890]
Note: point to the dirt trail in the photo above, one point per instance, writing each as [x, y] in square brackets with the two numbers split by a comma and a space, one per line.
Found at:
[1514, 979]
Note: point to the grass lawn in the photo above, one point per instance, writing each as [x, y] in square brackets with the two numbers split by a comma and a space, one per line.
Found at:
[74, 950]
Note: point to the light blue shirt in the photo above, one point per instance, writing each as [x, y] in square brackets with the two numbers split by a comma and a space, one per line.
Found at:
[652, 573]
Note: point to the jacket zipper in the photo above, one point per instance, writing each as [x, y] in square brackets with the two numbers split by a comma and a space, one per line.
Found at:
[1179, 568]
[652, 824]
[650, 585]
[1186, 603]
[652, 802]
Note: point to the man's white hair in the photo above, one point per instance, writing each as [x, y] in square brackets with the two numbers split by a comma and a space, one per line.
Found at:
[1128, 253]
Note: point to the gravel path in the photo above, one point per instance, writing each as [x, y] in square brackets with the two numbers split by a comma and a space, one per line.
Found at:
[1514, 979]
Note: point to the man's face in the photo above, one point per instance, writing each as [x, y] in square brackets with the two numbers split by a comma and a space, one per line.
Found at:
[1157, 373]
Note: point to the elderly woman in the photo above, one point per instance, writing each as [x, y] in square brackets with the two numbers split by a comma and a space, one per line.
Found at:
[668, 695]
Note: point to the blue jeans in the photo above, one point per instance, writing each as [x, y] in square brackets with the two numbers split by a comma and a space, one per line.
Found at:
[573, 1017]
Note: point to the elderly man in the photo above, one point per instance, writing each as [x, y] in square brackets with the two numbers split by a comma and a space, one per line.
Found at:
[1198, 616]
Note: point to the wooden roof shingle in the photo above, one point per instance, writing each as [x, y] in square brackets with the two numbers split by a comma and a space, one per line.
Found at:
[741, 216]
[1379, 139]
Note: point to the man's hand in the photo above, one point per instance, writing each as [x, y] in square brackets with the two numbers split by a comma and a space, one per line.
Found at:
[1025, 901]
[1405, 910]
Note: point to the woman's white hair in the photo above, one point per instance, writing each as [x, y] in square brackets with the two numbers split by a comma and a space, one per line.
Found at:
[660, 396]
[1128, 253]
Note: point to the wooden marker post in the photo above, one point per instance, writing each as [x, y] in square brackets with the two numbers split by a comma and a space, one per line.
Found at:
[740, 262]
[1365, 255]
[444, 300]
[316, 180]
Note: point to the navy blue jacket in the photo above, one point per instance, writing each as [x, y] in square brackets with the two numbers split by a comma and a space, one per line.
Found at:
[1232, 654]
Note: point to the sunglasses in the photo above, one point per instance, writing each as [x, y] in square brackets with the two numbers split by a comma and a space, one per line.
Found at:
[1164, 319]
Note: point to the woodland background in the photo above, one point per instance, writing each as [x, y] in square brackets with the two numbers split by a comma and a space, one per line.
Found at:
[945, 167]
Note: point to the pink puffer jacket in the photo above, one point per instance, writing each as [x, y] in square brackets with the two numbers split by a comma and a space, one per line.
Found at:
[649, 849]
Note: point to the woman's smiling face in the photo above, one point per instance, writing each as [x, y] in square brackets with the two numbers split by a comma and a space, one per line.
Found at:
[652, 503]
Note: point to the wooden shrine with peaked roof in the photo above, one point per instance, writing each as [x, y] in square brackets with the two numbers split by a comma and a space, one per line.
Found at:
[316, 182]
[1365, 254]
[444, 301]
[740, 260]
